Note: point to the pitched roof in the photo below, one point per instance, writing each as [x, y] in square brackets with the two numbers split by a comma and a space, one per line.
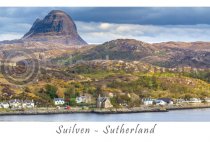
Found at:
[28, 101]
[15, 101]
[102, 99]
[58, 99]
[167, 100]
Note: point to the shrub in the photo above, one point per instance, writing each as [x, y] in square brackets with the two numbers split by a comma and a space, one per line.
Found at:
[51, 91]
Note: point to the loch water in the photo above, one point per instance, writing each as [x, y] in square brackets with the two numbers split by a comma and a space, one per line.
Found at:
[193, 115]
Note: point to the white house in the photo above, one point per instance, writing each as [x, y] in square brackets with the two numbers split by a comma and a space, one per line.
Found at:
[160, 102]
[194, 100]
[180, 101]
[59, 101]
[28, 104]
[148, 101]
[4, 105]
[80, 99]
[164, 101]
[15, 103]
[84, 99]
[207, 100]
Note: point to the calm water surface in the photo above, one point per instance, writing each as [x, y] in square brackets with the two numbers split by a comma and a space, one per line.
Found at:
[199, 115]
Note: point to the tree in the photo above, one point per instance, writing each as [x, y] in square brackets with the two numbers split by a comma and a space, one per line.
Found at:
[51, 91]
[148, 81]
[69, 92]
[72, 102]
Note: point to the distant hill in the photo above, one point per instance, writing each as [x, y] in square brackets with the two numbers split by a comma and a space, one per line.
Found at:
[171, 54]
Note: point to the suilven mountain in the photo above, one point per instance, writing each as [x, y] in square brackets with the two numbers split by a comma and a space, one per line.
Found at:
[58, 27]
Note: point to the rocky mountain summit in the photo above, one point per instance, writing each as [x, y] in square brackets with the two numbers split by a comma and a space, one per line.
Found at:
[56, 27]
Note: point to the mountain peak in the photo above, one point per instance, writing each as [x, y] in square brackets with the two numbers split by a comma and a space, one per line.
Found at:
[57, 26]
[127, 45]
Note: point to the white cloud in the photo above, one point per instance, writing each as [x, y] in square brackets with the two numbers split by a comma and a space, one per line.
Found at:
[10, 36]
[101, 32]
[105, 26]
[93, 32]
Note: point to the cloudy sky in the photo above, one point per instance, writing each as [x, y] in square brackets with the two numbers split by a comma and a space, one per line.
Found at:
[97, 25]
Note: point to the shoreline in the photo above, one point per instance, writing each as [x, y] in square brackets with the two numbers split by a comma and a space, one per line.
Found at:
[51, 111]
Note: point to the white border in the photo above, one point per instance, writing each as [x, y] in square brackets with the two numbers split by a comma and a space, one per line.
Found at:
[104, 3]
[46, 132]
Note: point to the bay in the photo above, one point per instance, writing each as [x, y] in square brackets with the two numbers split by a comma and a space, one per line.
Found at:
[193, 115]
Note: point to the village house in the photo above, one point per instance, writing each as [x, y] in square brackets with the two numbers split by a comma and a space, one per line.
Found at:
[207, 100]
[59, 101]
[164, 101]
[28, 104]
[160, 102]
[80, 99]
[4, 105]
[148, 101]
[103, 102]
[83, 99]
[180, 101]
[15, 103]
[194, 100]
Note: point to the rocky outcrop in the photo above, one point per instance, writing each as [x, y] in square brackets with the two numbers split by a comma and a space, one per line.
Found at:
[56, 27]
